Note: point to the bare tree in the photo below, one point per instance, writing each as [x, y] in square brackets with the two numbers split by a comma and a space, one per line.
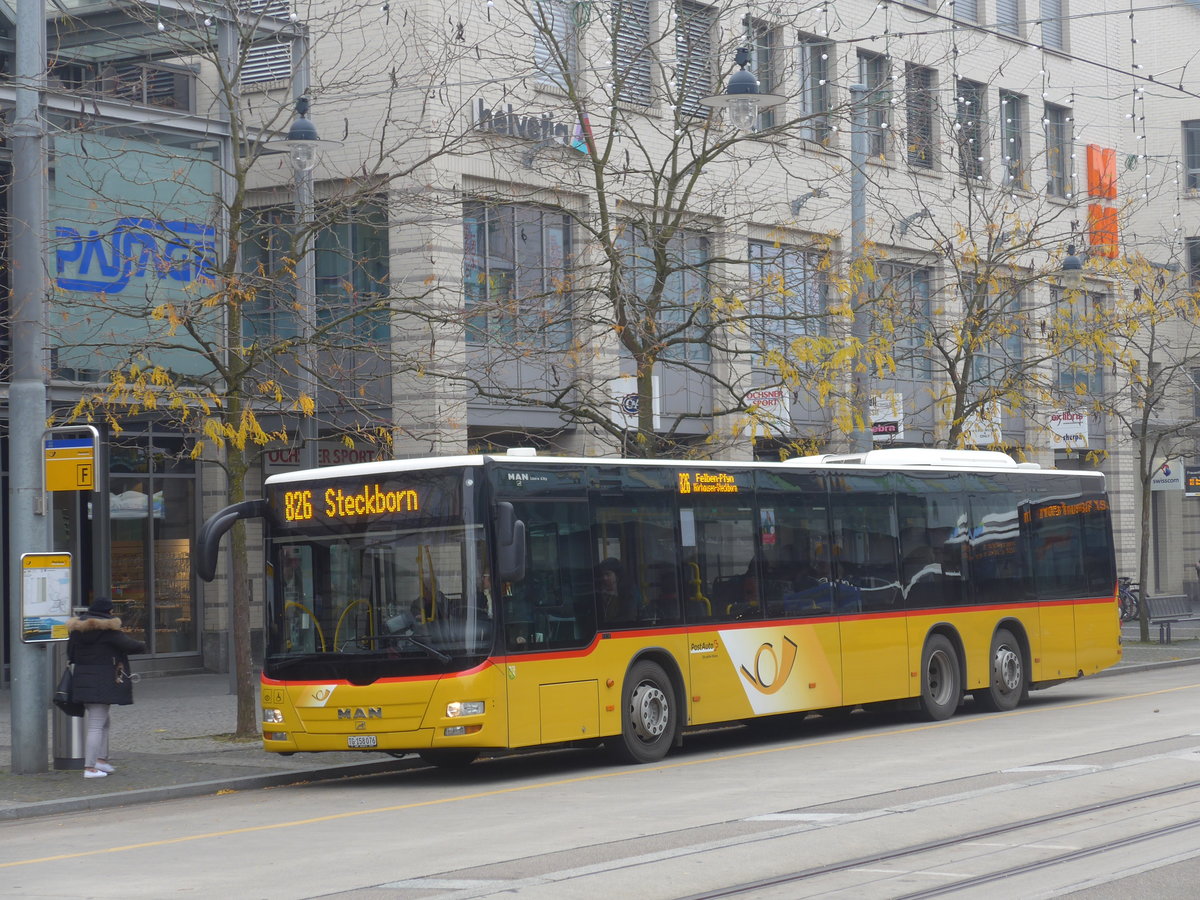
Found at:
[215, 334]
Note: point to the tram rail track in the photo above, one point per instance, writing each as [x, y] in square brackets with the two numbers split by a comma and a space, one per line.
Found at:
[979, 835]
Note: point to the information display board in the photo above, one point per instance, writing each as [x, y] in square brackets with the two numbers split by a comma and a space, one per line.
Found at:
[45, 596]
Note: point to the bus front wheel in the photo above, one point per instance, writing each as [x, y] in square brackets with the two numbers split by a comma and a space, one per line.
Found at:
[1007, 686]
[650, 720]
[941, 679]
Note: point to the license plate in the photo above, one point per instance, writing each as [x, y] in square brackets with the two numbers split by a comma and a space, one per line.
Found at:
[360, 740]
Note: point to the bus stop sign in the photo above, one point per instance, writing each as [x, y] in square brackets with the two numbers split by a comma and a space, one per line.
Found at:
[70, 461]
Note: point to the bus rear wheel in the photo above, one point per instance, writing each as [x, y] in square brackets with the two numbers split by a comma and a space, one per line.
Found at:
[448, 759]
[941, 679]
[650, 720]
[1007, 685]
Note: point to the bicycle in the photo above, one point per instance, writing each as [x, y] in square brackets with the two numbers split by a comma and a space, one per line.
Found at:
[1129, 598]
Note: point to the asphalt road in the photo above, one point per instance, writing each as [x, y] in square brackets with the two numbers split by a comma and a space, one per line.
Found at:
[1092, 790]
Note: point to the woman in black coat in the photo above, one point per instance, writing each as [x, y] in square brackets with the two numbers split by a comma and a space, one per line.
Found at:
[99, 650]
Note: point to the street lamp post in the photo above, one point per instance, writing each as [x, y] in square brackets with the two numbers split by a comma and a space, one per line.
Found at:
[28, 524]
[303, 147]
[742, 98]
[860, 386]
[1071, 272]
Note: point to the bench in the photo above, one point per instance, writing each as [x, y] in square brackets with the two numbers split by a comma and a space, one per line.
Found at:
[1167, 609]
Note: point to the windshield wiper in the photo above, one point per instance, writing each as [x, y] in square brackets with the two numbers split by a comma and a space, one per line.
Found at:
[428, 648]
[412, 639]
[277, 665]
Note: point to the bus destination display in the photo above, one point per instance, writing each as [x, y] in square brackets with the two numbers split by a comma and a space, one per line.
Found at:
[336, 504]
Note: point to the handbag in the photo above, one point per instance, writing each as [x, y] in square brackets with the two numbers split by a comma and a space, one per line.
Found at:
[62, 695]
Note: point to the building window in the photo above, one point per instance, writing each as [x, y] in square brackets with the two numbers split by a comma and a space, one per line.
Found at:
[555, 43]
[787, 294]
[998, 359]
[873, 72]
[1054, 25]
[1008, 17]
[762, 40]
[1194, 375]
[270, 60]
[632, 58]
[694, 54]
[902, 309]
[1191, 154]
[1193, 262]
[516, 261]
[351, 263]
[1012, 138]
[816, 75]
[966, 10]
[1079, 370]
[969, 127]
[152, 509]
[920, 103]
[1059, 142]
[682, 319]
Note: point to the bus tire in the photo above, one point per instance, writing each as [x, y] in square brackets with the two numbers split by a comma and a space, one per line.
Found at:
[650, 720]
[1007, 683]
[448, 759]
[941, 679]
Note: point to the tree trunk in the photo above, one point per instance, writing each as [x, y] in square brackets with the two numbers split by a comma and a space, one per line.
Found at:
[239, 598]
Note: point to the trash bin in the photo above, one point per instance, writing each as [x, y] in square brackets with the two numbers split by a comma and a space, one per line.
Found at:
[68, 730]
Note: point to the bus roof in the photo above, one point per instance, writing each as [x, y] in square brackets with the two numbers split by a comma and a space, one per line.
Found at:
[892, 458]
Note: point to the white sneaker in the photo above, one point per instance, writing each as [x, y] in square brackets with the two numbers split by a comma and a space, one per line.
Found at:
[94, 773]
[106, 768]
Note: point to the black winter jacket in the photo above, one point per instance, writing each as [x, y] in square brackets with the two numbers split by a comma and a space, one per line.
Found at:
[100, 651]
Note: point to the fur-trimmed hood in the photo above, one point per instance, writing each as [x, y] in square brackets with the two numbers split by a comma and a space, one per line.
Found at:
[86, 623]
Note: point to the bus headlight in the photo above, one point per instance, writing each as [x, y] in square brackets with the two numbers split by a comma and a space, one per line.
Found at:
[275, 736]
[464, 708]
[461, 730]
[272, 716]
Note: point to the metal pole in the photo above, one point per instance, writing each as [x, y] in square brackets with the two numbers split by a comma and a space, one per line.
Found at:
[306, 277]
[28, 524]
[860, 379]
[228, 46]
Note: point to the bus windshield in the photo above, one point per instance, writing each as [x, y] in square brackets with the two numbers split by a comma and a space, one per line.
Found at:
[376, 577]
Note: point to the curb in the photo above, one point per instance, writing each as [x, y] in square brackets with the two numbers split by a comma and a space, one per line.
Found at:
[1147, 666]
[200, 788]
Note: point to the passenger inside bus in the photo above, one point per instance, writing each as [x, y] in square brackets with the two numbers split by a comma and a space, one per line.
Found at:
[614, 597]
[748, 604]
[663, 600]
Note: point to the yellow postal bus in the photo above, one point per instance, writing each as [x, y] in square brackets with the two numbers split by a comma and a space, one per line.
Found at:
[453, 605]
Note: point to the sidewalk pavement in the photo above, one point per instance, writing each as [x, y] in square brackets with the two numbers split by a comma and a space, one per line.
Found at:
[174, 742]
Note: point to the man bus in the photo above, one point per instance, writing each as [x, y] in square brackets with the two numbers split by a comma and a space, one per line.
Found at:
[898, 577]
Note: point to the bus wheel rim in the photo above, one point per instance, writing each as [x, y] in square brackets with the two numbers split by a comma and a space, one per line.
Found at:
[1007, 668]
[937, 676]
[649, 712]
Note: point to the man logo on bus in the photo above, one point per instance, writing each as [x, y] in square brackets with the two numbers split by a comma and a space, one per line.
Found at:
[685, 483]
[779, 669]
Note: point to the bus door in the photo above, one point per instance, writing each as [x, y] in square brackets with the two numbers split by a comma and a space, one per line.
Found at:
[738, 664]
[796, 576]
[549, 616]
[867, 597]
[1060, 576]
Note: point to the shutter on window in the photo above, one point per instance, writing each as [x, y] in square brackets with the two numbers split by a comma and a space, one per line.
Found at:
[270, 61]
[1052, 24]
[693, 50]
[1008, 16]
[966, 10]
[631, 51]
[548, 54]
